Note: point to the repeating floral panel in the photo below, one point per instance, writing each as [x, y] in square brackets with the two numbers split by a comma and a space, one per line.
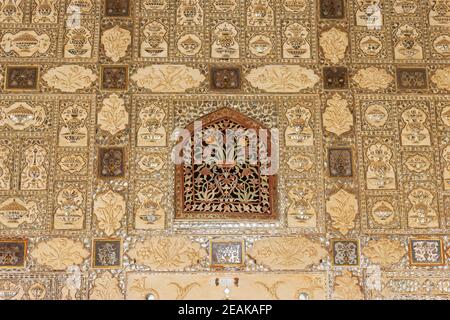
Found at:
[95, 96]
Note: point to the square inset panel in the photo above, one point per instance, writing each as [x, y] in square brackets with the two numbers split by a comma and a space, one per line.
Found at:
[345, 252]
[117, 8]
[107, 253]
[332, 9]
[22, 78]
[340, 162]
[412, 78]
[426, 252]
[225, 78]
[226, 253]
[335, 78]
[111, 162]
[115, 78]
[13, 253]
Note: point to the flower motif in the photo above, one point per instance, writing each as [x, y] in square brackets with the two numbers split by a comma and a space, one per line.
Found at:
[116, 41]
[384, 252]
[334, 43]
[284, 78]
[342, 208]
[169, 253]
[168, 78]
[106, 287]
[442, 78]
[373, 78]
[347, 287]
[113, 117]
[109, 208]
[60, 253]
[69, 78]
[337, 118]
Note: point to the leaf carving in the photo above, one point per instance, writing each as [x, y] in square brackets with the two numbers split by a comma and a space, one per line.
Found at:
[334, 43]
[287, 252]
[384, 252]
[337, 118]
[169, 253]
[69, 78]
[116, 41]
[373, 78]
[168, 78]
[106, 287]
[284, 78]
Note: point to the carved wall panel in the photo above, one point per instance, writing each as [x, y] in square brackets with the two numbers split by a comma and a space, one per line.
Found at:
[341, 109]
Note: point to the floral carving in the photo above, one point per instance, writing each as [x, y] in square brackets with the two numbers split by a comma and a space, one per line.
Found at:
[109, 209]
[227, 187]
[25, 43]
[342, 208]
[106, 287]
[69, 78]
[60, 253]
[14, 212]
[168, 78]
[113, 117]
[334, 43]
[169, 253]
[373, 78]
[287, 252]
[442, 78]
[347, 287]
[283, 78]
[116, 41]
[384, 252]
[10, 290]
[337, 118]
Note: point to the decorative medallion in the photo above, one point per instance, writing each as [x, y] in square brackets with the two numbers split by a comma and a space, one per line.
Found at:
[109, 209]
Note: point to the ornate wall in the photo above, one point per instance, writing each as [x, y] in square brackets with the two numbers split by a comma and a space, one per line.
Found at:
[93, 207]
